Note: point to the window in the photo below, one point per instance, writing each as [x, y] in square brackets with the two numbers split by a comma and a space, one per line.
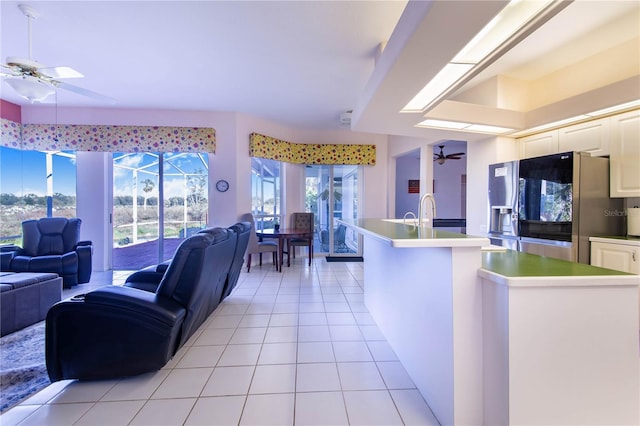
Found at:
[159, 199]
[265, 190]
[34, 184]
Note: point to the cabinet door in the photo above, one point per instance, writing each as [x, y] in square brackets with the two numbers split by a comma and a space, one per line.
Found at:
[625, 155]
[620, 257]
[592, 136]
[538, 145]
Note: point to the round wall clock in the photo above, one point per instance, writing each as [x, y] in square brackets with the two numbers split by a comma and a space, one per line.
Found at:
[222, 185]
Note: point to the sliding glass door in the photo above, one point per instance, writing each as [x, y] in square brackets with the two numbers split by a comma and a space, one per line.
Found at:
[159, 199]
[332, 193]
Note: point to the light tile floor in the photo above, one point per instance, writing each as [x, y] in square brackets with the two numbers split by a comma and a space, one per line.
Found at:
[297, 347]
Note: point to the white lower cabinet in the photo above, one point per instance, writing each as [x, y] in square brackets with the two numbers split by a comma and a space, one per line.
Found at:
[621, 255]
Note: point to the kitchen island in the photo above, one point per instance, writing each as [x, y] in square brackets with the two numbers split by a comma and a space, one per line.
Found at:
[501, 337]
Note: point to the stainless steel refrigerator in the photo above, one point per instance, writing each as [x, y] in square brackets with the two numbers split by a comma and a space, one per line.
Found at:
[563, 199]
[503, 204]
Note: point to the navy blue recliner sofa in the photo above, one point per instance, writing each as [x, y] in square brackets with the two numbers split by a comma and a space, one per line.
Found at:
[119, 331]
[149, 278]
[52, 245]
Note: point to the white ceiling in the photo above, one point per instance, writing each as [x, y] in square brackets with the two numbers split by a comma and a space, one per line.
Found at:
[298, 63]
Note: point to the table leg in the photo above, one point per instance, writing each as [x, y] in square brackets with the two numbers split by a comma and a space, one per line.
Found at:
[280, 255]
[289, 252]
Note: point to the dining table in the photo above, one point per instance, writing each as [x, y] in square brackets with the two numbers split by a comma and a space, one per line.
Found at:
[284, 236]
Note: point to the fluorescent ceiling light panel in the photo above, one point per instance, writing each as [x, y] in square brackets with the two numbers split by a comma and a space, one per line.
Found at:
[443, 124]
[502, 28]
[441, 82]
[510, 20]
[483, 128]
[467, 127]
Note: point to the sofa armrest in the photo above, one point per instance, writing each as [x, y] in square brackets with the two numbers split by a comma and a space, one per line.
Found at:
[111, 332]
[85, 261]
[140, 302]
[84, 243]
[9, 247]
[5, 260]
[162, 267]
[147, 280]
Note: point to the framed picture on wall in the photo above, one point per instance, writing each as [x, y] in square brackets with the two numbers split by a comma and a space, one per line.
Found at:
[414, 186]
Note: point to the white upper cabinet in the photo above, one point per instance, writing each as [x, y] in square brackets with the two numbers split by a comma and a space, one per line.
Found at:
[592, 137]
[625, 155]
[538, 145]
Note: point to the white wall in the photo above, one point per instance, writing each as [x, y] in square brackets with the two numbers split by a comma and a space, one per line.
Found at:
[448, 186]
[407, 168]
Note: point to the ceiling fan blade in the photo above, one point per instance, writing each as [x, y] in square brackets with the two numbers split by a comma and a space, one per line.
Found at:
[84, 92]
[455, 155]
[60, 72]
[10, 70]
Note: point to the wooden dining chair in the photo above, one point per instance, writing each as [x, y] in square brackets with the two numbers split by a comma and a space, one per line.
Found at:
[301, 220]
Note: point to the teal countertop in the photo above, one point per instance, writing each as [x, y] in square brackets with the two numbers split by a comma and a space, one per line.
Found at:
[400, 234]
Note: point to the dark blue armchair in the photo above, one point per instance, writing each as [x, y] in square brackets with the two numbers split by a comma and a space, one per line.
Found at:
[52, 245]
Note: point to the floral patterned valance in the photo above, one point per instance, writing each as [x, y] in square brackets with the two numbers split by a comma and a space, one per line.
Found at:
[101, 138]
[10, 133]
[300, 153]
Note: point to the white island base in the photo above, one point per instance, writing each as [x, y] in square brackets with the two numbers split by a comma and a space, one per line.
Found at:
[561, 350]
[427, 302]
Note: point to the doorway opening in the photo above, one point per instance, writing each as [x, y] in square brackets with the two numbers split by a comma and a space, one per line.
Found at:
[333, 193]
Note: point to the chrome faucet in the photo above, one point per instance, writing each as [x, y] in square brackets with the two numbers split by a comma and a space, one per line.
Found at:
[404, 219]
[425, 197]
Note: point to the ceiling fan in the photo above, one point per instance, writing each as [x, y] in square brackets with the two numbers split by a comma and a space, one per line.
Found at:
[441, 158]
[36, 82]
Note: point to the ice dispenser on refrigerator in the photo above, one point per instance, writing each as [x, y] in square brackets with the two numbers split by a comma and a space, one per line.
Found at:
[503, 204]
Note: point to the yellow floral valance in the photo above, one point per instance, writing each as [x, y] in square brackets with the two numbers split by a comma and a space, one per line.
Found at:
[102, 138]
[300, 153]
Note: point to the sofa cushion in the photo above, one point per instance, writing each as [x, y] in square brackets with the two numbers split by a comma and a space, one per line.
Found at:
[24, 279]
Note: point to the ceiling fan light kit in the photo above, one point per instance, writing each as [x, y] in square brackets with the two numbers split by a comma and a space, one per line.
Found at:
[31, 88]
